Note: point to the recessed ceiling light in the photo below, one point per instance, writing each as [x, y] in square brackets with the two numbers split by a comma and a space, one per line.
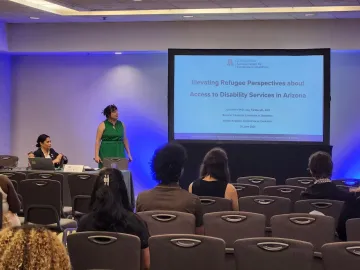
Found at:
[188, 16]
[118, 52]
[137, 0]
[309, 14]
[34, 18]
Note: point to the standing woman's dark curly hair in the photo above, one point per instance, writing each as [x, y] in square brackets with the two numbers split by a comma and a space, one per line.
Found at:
[215, 164]
[109, 109]
[110, 202]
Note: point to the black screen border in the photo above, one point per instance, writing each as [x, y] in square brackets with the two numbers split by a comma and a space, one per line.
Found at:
[326, 52]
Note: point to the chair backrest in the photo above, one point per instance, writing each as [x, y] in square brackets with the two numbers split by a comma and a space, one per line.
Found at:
[244, 190]
[41, 201]
[81, 186]
[260, 181]
[266, 205]
[342, 255]
[16, 176]
[107, 250]
[117, 163]
[8, 161]
[168, 222]
[327, 207]
[16, 185]
[315, 229]
[353, 229]
[183, 251]
[215, 204]
[49, 176]
[300, 181]
[291, 192]
[273, 254]
[233, 225]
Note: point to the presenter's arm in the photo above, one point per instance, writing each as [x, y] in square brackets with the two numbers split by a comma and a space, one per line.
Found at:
[99, 134]
[190, 187]
[126, 144]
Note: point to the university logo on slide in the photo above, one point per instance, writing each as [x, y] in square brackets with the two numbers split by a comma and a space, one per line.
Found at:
[230, 62]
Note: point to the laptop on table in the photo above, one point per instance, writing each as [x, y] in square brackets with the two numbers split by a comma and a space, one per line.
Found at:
[41, 164]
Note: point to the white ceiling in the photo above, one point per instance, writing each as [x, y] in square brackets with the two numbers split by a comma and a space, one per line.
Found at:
[16, 13]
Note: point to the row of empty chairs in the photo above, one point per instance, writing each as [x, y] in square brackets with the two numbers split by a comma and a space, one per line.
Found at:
[273, 205]
[193, 252]
[233, 225]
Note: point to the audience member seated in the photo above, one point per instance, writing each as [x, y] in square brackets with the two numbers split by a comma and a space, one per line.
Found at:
[167, 165]
[10, 203]
[215, 177]
[111, 211]
[321, 166]
[44, 150]
[32, 248]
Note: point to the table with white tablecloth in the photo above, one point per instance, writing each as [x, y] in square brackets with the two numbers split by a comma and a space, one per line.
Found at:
[66, 191]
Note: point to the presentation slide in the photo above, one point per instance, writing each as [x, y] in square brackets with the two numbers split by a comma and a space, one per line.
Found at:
[252, 98]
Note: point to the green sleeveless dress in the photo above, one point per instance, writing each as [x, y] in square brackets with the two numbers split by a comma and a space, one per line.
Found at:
[112, 141]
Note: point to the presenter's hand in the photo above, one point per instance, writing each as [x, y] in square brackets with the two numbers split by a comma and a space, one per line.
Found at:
[98, 159]
[130, 158]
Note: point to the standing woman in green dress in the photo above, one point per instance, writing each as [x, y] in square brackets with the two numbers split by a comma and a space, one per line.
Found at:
[111, 140]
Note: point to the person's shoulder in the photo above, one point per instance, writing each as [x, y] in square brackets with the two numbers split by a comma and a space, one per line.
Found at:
[144, 195]
[85, 222]
[37, 152]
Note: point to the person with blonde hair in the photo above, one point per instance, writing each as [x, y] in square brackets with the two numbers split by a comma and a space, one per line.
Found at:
[32, 248]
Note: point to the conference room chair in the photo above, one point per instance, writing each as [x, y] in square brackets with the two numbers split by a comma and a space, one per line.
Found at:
[260, 181]
[291, 192]
[16, 186]
[7, 161]
[327, 207]
[66, 211]
[300, 181]
[341, 255]
[233, 225]
[42, 204]
[266, 205]
[184, 251]
[168, 222]
[104, 250]
[215, 204]
[353, 229]
[15, 176]
[80, 186]
[273, 254]
[117, 163]
[315, 229]
[64, 235]
[244, 190]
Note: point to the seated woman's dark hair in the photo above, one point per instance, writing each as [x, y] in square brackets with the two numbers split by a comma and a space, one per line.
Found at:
[215, 164]
[320, 165]
[109, 200]
[109, 109]
[42, 138]
[168, 162]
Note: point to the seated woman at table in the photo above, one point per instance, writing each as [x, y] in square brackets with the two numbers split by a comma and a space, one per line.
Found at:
[110, 211]
[44, 150]
[215, 177]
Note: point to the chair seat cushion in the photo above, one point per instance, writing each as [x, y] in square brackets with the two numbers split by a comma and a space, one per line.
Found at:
[65, 223]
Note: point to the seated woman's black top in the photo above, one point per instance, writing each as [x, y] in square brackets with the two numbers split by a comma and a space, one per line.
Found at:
[209, 188]
[53, 154]
[134, 226]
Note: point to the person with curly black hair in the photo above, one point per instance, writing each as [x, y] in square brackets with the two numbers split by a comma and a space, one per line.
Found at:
[167, 166]
[111, 140]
